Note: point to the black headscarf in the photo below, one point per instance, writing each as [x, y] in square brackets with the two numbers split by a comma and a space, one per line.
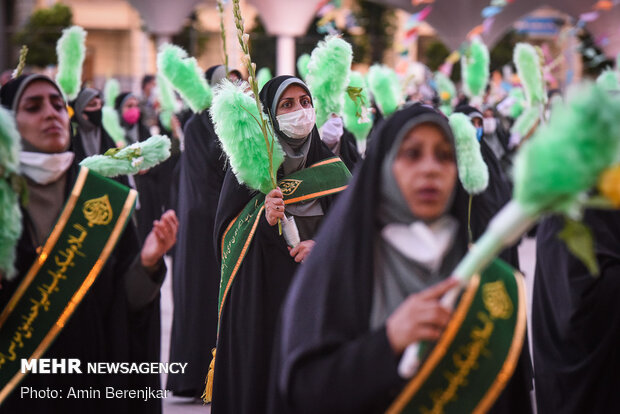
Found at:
[12, 91]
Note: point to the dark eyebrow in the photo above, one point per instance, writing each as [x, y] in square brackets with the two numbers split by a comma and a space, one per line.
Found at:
[41, 97]
[290, 99]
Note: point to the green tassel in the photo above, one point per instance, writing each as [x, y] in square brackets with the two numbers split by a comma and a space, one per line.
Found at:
[328, 76]
[385, 88]
[302, 65]
[473, 172]
[475, 69]
[263, 76]
[566, 156]
[519, 102]
[236, 120]
[356, 115]
[10, 214]
[71, 51]
[132, 159]
[185, 76]
[528, 62]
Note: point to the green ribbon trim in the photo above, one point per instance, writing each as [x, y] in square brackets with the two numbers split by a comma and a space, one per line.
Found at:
[78, 247]
[319, 180]
[478, 352]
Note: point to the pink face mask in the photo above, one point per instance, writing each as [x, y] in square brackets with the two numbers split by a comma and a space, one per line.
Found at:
[131, 115]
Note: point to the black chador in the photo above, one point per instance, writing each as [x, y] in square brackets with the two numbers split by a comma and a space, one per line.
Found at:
[249, 315]
[575, 319]
[196, 276]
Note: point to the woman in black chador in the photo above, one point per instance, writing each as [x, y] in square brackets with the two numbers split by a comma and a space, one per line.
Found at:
[372, 284]
[101, 328]
[575, 320]
[248, 319]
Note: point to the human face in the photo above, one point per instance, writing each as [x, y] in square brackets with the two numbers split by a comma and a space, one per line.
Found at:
[293, 99]
[93, 105]
[42, 118]
[131, 102]
[425, 171]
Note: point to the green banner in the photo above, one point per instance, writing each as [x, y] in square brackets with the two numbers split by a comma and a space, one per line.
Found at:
[319, 180]
[473, 360]
[76, 250]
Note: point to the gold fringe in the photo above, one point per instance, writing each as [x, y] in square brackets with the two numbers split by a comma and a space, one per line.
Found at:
[207, 396]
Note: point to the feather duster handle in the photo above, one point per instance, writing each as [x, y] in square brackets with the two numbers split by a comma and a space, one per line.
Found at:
[356, 115]
[302, 65]
[385, 88]
[475, 69]
[582, 134]
[185, 76]
[132, 159]
[527, 59]
[236, 120]
[71, 51]
[328, 76]
[10, 188]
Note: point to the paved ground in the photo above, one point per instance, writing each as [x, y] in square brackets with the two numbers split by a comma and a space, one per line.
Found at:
[176, 405]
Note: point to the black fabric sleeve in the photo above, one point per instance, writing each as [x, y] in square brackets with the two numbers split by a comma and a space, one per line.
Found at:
[355, 376]
[141, 284]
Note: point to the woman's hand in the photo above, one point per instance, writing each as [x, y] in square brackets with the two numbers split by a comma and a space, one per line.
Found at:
[302, 250]
[274, 206]
[419, 318]
[160, 239]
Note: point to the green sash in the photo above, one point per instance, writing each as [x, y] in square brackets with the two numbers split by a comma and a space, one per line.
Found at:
[477, 354]
[319, 180]
[76, 250]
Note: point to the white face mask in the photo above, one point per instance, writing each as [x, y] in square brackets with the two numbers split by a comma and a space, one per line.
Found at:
[44, 168]
[489, 125]
[297, 124]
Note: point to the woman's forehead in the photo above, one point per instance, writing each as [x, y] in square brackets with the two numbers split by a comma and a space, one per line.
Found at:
[40, 88]
[293, 91]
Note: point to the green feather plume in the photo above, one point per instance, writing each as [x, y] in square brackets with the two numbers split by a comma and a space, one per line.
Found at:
[10, 214]
[263, 76]
[385, 88]
[527, 61]
[355, 109]
[446, 91]
[185, 76]
[71, 51]
[328, 76]
[475, 69]
[566, 156]
[112, 125]
[166, 100]
[526, 122]
[236, 120]
[132, 159]
[519, 101]
[302, 65]
[473, 172]
[110, 91]
[608, 80]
